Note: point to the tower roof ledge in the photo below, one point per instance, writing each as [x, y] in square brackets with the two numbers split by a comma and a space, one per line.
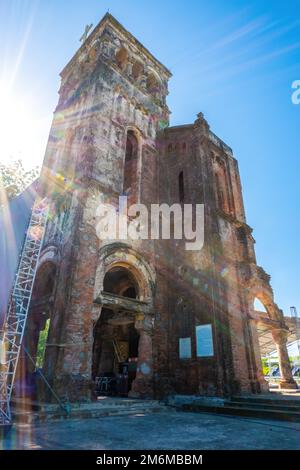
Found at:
[108, 19]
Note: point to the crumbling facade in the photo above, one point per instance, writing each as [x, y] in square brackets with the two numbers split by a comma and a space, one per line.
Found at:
[185, 317]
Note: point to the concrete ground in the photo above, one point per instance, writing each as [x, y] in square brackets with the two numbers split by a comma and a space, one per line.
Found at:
[164, 430]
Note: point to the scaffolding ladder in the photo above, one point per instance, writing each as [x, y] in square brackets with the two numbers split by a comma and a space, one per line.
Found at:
[11, 336]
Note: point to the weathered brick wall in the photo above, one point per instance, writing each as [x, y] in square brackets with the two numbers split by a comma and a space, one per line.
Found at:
[210, 279]
[100, 99]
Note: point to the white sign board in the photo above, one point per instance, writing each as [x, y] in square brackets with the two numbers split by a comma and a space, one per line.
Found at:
[185, 350]
[204, 341]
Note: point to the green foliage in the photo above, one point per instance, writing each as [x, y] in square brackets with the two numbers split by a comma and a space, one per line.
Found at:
[265, 366]
[42, 345]
[14, 178]
[294, 358]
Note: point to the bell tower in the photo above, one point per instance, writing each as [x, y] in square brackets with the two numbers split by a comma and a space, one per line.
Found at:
[183, 319]
[102, 144]
[112, 103]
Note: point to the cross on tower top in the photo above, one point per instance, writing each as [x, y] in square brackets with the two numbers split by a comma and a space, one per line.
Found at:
[86, 32]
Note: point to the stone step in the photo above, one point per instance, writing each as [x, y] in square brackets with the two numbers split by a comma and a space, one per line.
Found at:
[85, 411]
[266, 399]
[123, 402]
[265, 405]
[28, 405]
[236, 410]
[19, 404]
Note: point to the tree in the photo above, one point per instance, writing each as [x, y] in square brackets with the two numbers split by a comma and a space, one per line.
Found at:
[14, 178]
[265, 366]
[40, 355]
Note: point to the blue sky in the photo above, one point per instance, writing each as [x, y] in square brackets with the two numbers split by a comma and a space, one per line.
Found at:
[233, 60]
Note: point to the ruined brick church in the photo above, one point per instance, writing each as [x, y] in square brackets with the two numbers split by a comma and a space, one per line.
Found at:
[178, 321]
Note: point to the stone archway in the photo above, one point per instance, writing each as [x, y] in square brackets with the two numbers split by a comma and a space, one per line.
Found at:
[37, 328]
[124, 287]
[271, 322]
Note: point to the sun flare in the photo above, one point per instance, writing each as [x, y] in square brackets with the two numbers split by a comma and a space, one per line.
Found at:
[19, 129]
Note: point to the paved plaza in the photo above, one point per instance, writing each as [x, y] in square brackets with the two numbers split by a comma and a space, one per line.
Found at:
[164, 430]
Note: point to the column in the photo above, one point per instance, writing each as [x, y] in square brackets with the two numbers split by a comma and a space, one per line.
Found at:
[280, 338]
[263, 386]
[142, 386]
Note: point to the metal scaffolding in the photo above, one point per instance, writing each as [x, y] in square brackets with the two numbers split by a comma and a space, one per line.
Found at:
[11, 336]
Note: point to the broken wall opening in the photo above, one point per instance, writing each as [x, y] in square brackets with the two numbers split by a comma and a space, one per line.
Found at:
[116, 341]
[115, 354]
[32, 355]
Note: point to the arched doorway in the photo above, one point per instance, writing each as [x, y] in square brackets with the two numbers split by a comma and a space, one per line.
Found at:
[116, 341]
[36, 333]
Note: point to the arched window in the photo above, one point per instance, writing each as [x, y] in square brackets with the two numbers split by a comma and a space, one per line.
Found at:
[130, 168]
[243, 240]
[184, 314]
[220, 192]
[259, 306]
[121, 281]
[137, 69]
[121, 58]
[181, 187]
[153, 84]
[221, 186]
